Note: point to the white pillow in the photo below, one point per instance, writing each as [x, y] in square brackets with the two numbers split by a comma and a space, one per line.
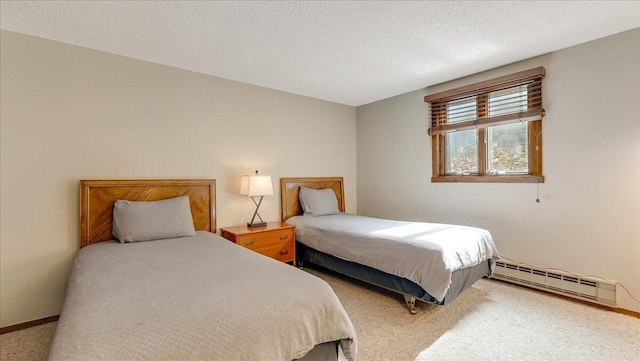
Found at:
[146, 221]
[318, 202]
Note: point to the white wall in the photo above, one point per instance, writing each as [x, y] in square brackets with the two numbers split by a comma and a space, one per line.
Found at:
[588, 220]
[69, 113]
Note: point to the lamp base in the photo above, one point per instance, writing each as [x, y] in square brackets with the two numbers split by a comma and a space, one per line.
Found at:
[256, 224]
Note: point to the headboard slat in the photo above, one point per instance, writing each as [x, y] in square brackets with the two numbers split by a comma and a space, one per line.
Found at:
[290, 188]
[98, 196]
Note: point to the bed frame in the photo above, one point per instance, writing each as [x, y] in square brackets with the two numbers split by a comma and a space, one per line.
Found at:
[96, 217]
[289, 190]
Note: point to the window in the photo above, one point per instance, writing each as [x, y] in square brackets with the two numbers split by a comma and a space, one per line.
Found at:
[489, 131]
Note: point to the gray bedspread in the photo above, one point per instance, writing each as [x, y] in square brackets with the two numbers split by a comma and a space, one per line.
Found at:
[425, 253]
[194, 298]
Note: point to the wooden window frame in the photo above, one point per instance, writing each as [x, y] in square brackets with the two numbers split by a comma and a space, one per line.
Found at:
[480, 91]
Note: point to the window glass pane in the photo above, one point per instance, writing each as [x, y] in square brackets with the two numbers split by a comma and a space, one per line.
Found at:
[462, 152]
[507, 148]
[513, 100]
[461, 110]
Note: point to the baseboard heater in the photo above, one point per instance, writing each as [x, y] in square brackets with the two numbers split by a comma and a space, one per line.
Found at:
[584, 288]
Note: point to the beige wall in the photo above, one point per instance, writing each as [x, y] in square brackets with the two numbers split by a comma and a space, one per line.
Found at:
[588, 220]
[69, 113]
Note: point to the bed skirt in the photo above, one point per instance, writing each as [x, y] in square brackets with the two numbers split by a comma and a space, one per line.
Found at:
[460, 279]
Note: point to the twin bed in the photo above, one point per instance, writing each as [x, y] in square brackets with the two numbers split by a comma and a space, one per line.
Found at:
[195, 295]
[429, 262]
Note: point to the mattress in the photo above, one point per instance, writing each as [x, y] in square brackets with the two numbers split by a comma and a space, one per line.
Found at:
[194, 298]
[425, 253]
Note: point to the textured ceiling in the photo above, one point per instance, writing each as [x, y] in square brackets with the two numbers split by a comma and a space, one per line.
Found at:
[346, 52]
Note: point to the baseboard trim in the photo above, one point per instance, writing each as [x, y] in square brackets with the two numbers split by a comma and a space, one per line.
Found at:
[623, 311]
[627, 312]
[22, 326]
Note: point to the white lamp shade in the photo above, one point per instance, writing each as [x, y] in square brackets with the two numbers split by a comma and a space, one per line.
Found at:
[256, 185]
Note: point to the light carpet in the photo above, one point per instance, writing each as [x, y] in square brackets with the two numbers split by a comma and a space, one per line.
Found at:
[490, 321]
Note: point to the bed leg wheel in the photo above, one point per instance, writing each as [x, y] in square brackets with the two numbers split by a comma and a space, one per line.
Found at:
[411, 304]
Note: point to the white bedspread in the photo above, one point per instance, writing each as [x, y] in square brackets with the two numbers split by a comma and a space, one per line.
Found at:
[425, 253]
[194, 298]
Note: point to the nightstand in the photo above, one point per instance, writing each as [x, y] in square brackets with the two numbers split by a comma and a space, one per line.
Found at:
[276, 240]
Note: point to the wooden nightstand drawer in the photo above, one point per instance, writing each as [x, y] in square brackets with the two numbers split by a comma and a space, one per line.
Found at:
[276, 240]
[265, 239]
[284, 253]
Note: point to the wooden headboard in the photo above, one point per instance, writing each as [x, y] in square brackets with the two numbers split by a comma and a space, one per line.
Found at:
[98, 196]
[290, 188]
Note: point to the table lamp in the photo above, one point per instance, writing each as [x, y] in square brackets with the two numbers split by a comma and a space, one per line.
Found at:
[255, 185]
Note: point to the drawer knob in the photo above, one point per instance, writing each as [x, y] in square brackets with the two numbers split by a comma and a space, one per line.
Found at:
[283, 253]
[251, 243]
[284, 237]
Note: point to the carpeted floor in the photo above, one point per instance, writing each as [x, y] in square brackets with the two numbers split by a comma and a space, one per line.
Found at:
[490, 321]
[31, 344]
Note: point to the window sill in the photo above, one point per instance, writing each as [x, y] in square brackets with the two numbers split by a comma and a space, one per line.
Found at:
[488, 179]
